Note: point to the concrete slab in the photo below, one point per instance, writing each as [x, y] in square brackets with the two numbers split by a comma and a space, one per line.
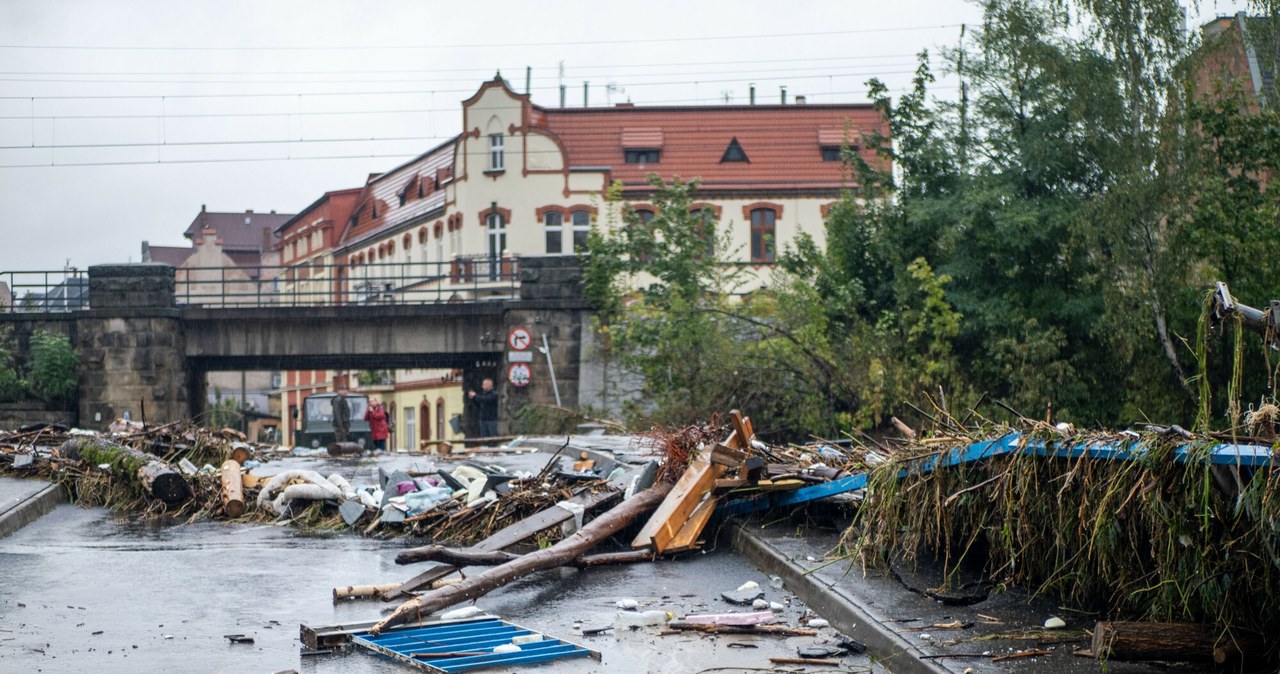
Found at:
[24, 501]
[897, 625]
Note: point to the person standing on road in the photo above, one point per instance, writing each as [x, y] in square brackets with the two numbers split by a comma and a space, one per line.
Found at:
[341, 415]
[486, 402]
[376, 415]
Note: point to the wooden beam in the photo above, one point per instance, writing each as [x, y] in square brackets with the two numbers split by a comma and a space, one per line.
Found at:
[687, 538]
[699, 478]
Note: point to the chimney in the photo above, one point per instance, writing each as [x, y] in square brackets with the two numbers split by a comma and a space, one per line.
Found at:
[800, 100]
[784, 95]
[753, 93]
[266, 239]
[562, 95]
[146, 251]
[202, 208]
[586, 86]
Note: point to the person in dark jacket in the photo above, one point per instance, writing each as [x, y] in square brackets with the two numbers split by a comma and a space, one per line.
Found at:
[341, 415]
[486, 402]
[376, 415]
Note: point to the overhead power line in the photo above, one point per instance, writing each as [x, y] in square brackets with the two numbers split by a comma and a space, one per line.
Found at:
[421, 81]
[483, 72]
[473, 45]
[54, 164]
[299, 94]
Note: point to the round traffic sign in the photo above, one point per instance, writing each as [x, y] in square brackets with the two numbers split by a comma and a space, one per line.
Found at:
[518, 374]
[519, 339]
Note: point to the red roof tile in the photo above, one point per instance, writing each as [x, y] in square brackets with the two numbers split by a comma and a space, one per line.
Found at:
[238, 231]
[783, 142]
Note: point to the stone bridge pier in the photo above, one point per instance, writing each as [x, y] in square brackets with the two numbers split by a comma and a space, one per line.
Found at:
[132, 347]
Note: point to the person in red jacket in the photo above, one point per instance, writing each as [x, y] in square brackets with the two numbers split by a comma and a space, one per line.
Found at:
[377, 418]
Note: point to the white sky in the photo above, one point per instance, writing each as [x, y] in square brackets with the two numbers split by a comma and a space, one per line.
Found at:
[436, 53]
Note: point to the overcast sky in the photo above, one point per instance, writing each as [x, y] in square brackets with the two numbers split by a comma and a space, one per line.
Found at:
[160, 102]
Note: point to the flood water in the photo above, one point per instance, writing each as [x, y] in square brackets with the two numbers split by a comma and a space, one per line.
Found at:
[86, 590]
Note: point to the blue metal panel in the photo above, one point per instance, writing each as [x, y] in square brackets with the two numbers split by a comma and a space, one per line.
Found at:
[479, 636]
[1245, 456]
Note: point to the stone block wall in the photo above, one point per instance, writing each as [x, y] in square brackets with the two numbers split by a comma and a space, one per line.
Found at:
[131, 286]
[132, 347]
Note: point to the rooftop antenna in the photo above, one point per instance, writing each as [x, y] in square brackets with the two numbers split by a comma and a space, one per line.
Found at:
[560, 80]
[609, 90]
[726, 96]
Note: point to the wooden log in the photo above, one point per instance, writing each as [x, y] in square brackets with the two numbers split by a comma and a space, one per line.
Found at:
[466, 557]
[777, 630]
[509, 536]
[454, 556]
[362, 591]
[345, 449]
[146, 471]
[232, 489]
[1169, 641]
[239, 453]
[586, 538]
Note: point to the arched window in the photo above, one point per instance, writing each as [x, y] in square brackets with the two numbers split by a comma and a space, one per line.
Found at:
[706, 219]
[763, 228]
[424, 411]
[554, 222]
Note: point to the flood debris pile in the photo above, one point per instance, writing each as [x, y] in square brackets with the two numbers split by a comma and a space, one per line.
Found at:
[170, 470]
[1164, 526]
[674, 498]
[194, 473]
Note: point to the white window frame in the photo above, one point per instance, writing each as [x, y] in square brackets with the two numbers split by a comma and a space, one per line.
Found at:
[556, 229]
[495, 152]
[577, 228]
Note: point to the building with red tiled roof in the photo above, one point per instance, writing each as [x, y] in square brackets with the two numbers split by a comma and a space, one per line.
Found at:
[246, 239]
[520, 180]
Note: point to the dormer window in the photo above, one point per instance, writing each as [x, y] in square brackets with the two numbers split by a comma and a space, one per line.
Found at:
[734, 152]
[830, 154]
[642, 156]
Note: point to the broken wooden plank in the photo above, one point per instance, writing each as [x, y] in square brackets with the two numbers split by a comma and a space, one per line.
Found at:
[687, 538]
[727, 456]
[688, 491]
[509, 536]
[742, 431]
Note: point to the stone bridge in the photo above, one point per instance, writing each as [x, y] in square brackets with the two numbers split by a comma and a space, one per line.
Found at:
[142, 352]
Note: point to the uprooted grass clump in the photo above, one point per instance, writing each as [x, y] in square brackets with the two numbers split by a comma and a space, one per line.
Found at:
[1149, 538]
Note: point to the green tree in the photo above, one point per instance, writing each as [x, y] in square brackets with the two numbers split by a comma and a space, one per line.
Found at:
[52, 374]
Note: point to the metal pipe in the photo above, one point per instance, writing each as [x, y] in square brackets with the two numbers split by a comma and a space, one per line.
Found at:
[546, 350]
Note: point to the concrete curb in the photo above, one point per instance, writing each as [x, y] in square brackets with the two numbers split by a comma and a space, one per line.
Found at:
[32, 509]
[882, 642]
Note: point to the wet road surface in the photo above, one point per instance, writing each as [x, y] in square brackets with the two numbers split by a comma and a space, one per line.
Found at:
[89, 591]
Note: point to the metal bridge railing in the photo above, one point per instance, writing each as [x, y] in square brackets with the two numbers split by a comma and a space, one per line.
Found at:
[461, 279]
[43, 291]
